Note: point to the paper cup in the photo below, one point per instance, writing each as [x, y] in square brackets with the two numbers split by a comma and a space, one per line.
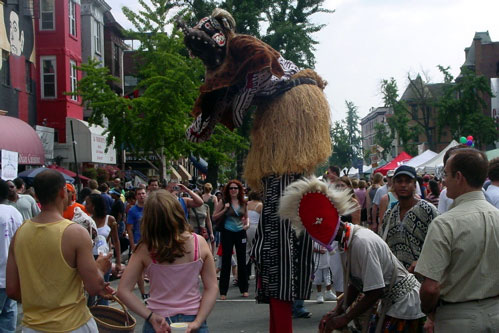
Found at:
[179, 327]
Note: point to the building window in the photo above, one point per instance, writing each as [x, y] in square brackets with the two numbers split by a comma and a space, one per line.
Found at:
[29, 81]
[73, 77]
[49, 84]
[5, 68]
[47, 15]
[72, 18]
[97, 37]
[116, 60]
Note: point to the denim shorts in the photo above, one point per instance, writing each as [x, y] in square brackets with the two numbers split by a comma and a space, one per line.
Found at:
[180, 318]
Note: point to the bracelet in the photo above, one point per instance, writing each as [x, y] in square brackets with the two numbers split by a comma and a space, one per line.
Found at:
[149, 317]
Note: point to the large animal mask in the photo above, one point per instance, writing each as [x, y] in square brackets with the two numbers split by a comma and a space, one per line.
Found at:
[206, 40]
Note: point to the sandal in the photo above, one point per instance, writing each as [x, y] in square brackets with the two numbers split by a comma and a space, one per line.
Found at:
[245, 295]
[223, 297]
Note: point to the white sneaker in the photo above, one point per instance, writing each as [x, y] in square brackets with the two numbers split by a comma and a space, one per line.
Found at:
[320, 298]
[329, 296]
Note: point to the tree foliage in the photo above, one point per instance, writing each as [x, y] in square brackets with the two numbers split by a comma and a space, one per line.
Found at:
[383, 137]
[462, 107]
[168, 81]
[342, 151]
[399, 120]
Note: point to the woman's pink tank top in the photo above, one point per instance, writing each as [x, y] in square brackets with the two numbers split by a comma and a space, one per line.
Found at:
[174, 289]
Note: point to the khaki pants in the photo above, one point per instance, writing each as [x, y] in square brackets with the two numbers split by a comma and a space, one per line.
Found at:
[474, 316]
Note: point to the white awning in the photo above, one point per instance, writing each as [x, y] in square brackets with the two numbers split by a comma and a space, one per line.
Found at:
[90, 143]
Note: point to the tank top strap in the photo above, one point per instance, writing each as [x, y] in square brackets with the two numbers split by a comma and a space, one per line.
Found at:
[196, 247]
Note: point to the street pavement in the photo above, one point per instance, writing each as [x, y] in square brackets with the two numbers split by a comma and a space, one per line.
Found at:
[240, 315]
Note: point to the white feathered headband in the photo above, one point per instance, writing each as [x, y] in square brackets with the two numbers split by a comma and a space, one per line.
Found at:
[312, 205]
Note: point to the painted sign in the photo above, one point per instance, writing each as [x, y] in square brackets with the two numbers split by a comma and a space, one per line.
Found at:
[99, 152]
[10, 162]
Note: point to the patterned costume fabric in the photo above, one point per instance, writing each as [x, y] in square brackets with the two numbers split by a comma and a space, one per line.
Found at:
[405, 238]
[283, 259]
[251, 69]
[395, 325]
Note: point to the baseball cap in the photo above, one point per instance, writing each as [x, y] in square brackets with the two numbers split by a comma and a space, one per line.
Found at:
[114, 191]
[405, 170]
[70, 188]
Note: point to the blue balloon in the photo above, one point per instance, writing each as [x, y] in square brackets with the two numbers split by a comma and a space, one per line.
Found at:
[469, 143]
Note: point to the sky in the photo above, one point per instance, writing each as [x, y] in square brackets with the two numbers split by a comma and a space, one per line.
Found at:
[366, 41]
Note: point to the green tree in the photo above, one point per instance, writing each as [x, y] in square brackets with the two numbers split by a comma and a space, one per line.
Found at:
[462, 107]
[383, 138]
[399, 120]
[168, 80]
[342, 151]
[352, 127]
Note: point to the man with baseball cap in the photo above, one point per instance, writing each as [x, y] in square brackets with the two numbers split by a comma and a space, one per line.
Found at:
[69, 211]
[405, 224]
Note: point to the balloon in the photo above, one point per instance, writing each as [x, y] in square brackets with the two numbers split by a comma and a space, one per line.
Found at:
[469, 138]
[462, 140]
[469, 143]
[473, 145]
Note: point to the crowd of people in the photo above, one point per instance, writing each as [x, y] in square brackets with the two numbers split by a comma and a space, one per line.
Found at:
[418, 253]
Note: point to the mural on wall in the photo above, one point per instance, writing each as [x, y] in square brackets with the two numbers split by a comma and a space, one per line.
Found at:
[17, 44]
[20, 31]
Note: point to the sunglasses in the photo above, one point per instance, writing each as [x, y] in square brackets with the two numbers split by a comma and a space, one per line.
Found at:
[233, 188]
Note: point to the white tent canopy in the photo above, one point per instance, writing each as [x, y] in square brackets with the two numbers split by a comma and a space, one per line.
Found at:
[437, 161]
[421, 158]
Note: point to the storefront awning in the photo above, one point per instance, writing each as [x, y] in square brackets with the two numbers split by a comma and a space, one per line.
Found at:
[90, 143]
[175, 175]
[184, 173]
[16, 135]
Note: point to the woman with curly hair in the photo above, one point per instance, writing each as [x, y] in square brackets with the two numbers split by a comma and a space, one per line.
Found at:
[232, 209]
[173, 257]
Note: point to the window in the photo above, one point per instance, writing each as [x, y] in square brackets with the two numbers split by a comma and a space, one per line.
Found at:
[47, 19]
[29, 81]
[5, 68]
[116, 60]
[73, 78]
[72, 18]
[97, 37]
[48, 84]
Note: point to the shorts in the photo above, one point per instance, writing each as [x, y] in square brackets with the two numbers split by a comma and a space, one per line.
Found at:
[322, 277]
[89, 327]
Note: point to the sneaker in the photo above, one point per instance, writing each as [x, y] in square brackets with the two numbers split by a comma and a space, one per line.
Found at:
[320, 298]
[329, 296]
[303, 314]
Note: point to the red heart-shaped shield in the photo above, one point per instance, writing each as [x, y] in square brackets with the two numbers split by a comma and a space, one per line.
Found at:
[319, 217]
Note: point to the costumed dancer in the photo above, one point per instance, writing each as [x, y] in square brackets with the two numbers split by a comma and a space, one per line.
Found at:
[289, 138]
[369, 265]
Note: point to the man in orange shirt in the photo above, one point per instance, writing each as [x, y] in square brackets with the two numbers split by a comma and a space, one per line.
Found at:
[72, 204]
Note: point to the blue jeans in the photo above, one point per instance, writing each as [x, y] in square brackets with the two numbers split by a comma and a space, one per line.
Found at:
[180, 318]
[298, 307]
[8, 316]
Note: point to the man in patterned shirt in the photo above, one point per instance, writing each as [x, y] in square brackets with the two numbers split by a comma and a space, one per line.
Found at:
[406, 224]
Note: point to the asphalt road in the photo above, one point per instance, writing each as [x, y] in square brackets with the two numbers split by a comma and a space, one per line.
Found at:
[238, 315]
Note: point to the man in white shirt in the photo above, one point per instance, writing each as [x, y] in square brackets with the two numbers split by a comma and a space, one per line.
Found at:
[493, 189]
[374, 271]
[10, 220]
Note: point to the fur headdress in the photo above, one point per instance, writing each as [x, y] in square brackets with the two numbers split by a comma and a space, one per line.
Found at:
[312, 205]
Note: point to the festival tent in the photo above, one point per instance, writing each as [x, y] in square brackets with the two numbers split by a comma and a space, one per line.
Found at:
[492, 153]
[401, 159]
[421, 158]
[437, 161]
